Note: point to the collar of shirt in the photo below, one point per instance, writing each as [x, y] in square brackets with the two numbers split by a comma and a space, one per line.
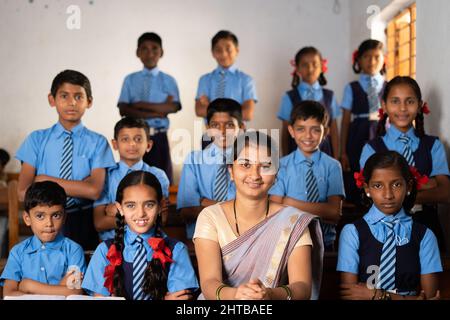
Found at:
[36, 244]
[213, 152]
[123, 167]
[76, 131]
[365, 80]
[299, 157]
[232, 69]
[150, 72]
[392, 134]
[305, 87]
[374, 216]
[130, 236]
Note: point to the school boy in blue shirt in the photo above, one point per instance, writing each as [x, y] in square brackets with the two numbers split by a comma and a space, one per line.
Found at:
[152, 95]
[69, 154]
[47, 263]
[132, 141]
[309, 179]
[201, 184]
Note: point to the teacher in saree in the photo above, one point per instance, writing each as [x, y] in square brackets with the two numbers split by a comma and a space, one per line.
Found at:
[251, 248]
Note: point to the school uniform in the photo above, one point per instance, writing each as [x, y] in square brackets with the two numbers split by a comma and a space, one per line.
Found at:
[113, 178]
[43, 150]
[153, 86]
[181, 274]
[291, 182]
[362, 126]
[198, 175]
[430, 159]
[361, 243]
[315, 92]
[43, 262]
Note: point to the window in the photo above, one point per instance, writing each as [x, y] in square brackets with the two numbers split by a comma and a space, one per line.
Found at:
[401, 44]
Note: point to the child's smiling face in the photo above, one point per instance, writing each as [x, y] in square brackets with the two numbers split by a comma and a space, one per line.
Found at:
[223, 129]
[225, 52]
[308, 134]
[132, 144]
[402, 106]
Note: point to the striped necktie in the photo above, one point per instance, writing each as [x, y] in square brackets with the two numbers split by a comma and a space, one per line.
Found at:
[220, 91]
[221, 182]
[65, 170]
[312, 190]
[147, 87]
[139, 266]
[372, 96]
[386, 276]
[406, 152]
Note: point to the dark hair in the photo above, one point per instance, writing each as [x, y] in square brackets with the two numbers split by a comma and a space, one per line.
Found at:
[307, 109]
[149, 36]
[303, 52]
[130, 122]
[72, 77]
[224, 34]
[45, 193]
[155, 277]
[4, 157]
[260, 139]
[390, 159]
[419, 121]
[367, 45]
[230, 106]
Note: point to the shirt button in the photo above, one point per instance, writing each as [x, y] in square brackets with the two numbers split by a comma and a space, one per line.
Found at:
[42, 269]
[43, 247]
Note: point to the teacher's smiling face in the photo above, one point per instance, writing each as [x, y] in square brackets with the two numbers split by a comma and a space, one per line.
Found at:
[253, 172]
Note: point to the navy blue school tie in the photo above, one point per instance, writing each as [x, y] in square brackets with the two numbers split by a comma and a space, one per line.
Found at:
[386, 276]
[139, 266]
[220, 91]
[406, 152]
[221, 182]
[312, 189]
[65, 169]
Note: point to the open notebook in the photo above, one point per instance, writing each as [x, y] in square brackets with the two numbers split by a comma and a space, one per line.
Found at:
[56, 297]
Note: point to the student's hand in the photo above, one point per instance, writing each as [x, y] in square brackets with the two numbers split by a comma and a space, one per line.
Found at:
[169, 99]
[164, 211]
[345, 163]
[179, 295]
[204, 101]
[429, 185]
[72, 280]
[25, 286]
[422, 296]
[357, 291]
[111, 210]
[41, 177]
[205, 202]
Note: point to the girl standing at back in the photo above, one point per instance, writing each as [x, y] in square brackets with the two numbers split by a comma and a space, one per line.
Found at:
[360, 106]
[403, 105]
[307, 84]
[141, 262]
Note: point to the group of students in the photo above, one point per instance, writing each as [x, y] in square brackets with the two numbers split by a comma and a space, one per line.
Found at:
[260, 224]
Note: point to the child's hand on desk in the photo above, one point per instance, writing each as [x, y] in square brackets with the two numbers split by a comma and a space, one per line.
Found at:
[72, 280]
[356, 291]
[179, 295]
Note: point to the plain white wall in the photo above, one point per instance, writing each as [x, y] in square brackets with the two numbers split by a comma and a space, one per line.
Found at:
[36, 45]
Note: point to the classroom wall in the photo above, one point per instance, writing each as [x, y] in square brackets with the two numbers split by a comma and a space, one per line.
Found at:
[36, 45]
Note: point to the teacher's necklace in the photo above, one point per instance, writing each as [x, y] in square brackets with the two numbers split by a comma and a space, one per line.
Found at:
[235, 217]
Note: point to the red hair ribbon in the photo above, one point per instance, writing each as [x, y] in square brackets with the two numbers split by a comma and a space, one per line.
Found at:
[359, 178]
[160, 250]
[380, 113]
[115, 259]
[355, 56]
[324, 65]
[420, 179]
[425, 108]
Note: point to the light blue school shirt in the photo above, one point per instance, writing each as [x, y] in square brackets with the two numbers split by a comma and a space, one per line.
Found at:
[113, 178]
[364, 81]
[438, 156]
[197, 179]
[291, 182]
[181, 273]
[45, 262]
[43, 149]
[348, 257]
[161, 86]
[307, 92]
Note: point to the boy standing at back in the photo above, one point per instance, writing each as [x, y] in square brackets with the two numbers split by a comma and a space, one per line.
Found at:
[132, 141]
[69, 154]
[151, 94]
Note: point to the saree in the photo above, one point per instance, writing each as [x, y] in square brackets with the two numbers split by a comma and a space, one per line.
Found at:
[263, 251]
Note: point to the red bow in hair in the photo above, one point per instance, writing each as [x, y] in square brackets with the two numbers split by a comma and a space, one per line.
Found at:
[425, 108]
[359, 178]
[420, 179]
[324, 65]
[115, 259]
[160, 250]
[380, 113]
[355, 56]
